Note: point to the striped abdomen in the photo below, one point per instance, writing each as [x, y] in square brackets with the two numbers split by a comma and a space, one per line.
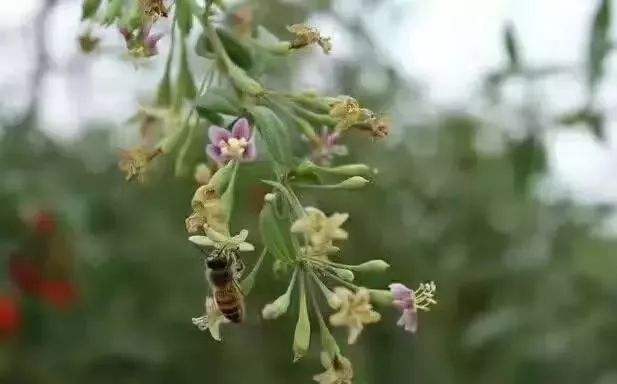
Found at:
[230, 302]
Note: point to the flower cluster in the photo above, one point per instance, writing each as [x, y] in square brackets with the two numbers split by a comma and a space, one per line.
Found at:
[243, 117]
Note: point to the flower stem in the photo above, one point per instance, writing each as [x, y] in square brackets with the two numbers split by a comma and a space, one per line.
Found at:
[328, 342]
[249, 281]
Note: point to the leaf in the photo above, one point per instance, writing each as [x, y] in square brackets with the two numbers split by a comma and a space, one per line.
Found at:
[237, 51]
[528, 158]
[511, 45]
[274, 134]
[184, 15]
[599, 44]
[275, 233]
[89, 8]
[219, 100]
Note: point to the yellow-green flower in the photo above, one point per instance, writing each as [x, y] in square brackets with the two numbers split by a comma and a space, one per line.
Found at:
[355, 311]
[321, 229]
[338, 370]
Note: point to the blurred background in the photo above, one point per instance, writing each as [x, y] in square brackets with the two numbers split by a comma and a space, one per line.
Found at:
[497, 181]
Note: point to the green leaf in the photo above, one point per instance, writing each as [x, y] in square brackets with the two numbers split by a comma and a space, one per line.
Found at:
[184, 15]
[89, 8]
[528, 158]
[600, 43]
[274, 134]
[219, 100]
[275, 233]
[511, 46]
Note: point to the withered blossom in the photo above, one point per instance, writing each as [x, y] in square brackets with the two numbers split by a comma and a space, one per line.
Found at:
[338, 370]
[320, 229]
[305, 35]
[134, 162]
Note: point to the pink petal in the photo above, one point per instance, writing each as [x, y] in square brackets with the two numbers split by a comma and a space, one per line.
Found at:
[215, 153]
[409, 321]
[250, 154]
[241, 129]
[217, 134]
[151, 41]
[400, 291]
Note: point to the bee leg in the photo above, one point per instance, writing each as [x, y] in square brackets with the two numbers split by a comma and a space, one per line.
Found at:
[239, 269]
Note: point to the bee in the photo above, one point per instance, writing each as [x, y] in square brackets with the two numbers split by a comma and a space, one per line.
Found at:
[223, 272]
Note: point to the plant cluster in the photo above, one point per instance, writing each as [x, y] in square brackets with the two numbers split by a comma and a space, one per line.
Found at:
[246, 122]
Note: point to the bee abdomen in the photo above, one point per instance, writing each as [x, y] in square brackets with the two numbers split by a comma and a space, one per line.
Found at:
[229, 303]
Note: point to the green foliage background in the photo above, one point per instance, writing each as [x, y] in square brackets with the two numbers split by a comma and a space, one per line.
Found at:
[527, 289]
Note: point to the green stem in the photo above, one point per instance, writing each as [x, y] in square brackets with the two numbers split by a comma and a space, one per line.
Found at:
[249, 281]
[339, 280]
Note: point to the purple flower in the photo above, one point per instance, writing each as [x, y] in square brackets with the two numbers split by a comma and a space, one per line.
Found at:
[405, 300]
[327, 147]
[409, 301]
[238, 144]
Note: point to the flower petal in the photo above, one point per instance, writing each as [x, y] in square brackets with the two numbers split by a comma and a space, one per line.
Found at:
[201, 241]
[241, 129]
[217, 134]
[250, 153]
[215, 154]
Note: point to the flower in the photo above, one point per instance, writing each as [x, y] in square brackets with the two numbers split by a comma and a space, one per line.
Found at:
[320, 229]
[338, 370]
[218, 240]
[306, 35]
[10, 316]
[326, 148]
[141, 43]
[211, 320]
[355, 311]
[409, 302]
[238, 144]
[134, 162]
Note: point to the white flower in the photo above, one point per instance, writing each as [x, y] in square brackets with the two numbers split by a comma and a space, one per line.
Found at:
[218, 240]
[355, 310]
[211, 320]
[321, 229]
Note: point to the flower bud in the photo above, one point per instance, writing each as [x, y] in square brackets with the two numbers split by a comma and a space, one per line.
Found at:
[354, 182]
[270, 197]
[302, 334]
[344, 274]
[372, 266]
[349, 170]
[277, 308]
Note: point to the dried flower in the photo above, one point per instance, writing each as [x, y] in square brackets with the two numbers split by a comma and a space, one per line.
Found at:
[355, 311]
[326, 148]
[154, 8]
[306, 35]
[321, 229]
[348, 112]
[141, 43]
[134, 162]
[238, 144]
[409, 302]
[202, 174]
[211, 320]
[338, 370]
